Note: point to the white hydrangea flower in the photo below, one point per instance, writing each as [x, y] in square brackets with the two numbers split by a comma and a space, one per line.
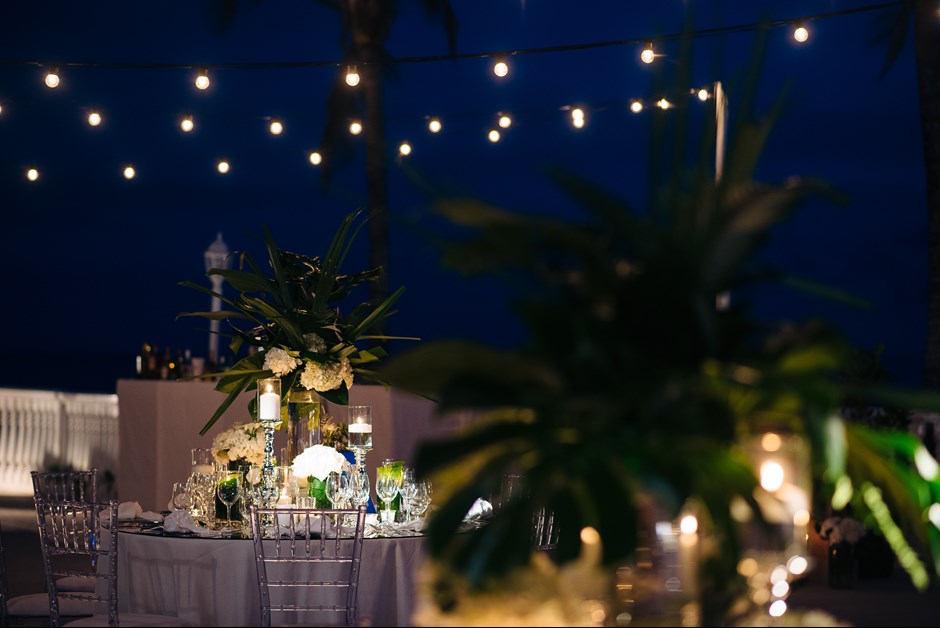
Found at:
[242, 442]
[280, 361]
[318, 461]
[324, 377]
[315, 343]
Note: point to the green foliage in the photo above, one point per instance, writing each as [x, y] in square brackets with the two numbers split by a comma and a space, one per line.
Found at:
[301, 296]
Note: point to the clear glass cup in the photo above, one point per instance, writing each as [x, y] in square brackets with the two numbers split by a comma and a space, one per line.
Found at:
[387, 485]
[409, 487]
[180, 497]
[337, 489]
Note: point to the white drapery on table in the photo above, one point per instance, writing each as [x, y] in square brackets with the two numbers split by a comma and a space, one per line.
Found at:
[210, 582]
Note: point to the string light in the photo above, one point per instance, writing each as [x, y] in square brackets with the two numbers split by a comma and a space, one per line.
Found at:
[276, 127]
[636, 106]
[129, 172]
[52, 78]
[223, 167]
[186, 124]
[316, 158]
[493, 136]
[434, 125]
[703, 94]
[800, 33]
[355, 127]
[352, 76]
[647, 55]
[202, 80]
[505, 121]
[404, 149]
[32, 174]
[663, 104]
[94, 118]
[501, 68]
[577, 117]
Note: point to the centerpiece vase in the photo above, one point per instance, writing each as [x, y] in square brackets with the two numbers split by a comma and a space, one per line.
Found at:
[316, 490]
[304, 410]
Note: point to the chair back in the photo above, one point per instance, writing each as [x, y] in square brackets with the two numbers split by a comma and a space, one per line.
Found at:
[76, 486]
[308, 563]
[76, 540]
[544, 531]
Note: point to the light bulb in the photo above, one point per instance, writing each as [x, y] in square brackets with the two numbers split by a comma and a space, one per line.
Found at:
[1, 108]
[94, 118]
[355, 128]
[186, 124]
[663, 104]
[434, 125]
[647, 55]
[578, 123]
[352, 76]
[577, 113]
[505, 121]
[129, 172]
[202, 81]
[493, 135]
[52, 79]
[703, 94]
[316, 158]
[501, 68]
[223, 167]
[32, 174]
[636, 106]
[800, 34]
[404, 148]
[276, 127]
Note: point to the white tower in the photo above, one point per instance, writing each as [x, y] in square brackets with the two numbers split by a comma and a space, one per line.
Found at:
[216, 256]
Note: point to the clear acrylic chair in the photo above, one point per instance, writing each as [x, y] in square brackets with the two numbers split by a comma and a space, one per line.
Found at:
[308, 563]
[544, 531]
[76, 540]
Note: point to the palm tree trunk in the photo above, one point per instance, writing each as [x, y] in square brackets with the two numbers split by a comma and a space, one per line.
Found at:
[376, 178]
[928, 80]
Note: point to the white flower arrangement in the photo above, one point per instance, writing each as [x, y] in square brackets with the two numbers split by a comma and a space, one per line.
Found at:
[280, 362]
[842, 529]
[244, 441]
[324, 377]
[319, 461]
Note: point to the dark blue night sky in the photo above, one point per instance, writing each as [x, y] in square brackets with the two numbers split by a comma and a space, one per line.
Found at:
[91, 261]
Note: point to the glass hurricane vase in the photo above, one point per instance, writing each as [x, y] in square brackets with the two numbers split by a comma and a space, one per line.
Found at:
[304, 410]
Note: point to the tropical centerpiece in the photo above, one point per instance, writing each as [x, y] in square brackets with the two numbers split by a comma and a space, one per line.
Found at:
[316, 463]
[632, 395]
[289, 314]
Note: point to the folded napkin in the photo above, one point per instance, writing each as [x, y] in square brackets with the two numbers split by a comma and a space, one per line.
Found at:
[481, 509]
[182, 521]
[392, 529]
[132, 510]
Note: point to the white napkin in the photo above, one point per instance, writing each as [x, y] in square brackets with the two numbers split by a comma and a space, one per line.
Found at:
[132, 510]
[392, 529]
[480, 509]
[182, 521]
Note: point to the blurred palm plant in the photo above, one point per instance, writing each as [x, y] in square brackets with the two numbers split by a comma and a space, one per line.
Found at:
[633, 383]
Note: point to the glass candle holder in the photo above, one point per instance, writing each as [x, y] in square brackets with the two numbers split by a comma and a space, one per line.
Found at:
[269, 399]
[359, 427]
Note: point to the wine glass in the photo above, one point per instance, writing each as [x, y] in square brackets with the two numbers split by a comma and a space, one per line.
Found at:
[409, 487]
[337, 489]
[359, 487]
[421, 498]
[181, 499]
[229, 491]
[387, 486]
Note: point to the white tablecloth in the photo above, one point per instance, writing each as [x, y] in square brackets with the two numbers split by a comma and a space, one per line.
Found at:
[213, 582]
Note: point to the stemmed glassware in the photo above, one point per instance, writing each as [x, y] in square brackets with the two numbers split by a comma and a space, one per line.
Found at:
[387, 485]
[337, 489]
[201, 485]
[229, 491]
[409, 488]
[421, 499]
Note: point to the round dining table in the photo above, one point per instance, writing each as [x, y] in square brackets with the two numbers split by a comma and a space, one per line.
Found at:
[214, 582]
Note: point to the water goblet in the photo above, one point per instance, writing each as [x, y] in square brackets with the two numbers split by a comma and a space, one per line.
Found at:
[387, 486]
[409, 487]
[229, 491]
[359, 487]
[337, 489]
[421, 500]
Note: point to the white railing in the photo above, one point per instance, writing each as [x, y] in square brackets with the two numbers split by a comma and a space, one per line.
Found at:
[42, 429]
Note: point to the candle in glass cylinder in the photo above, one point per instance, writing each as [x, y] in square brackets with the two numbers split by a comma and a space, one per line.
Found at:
[269, 407]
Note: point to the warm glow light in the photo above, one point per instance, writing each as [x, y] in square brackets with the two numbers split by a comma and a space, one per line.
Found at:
[493, 135]
[129, 172]
[316, 158]
[777, 609]
[636, 106]
[276, 127]
[404, 148]
[771, 476]
[780, 589]
[223, 167]
[1, 108]
[797, 565]
[355, 128]
[52, 79]
[94, 118]
[688, 524]
[578, 123]
[505, 121]
[771, 441]
[501, 69]
[32, 174]
[800, 34]
[801, 517]
[186, 124]
[648, 55]
[747, 567]
[434, 125]
[663, 104]
[590, 536]
[703, 94]
[202, 81]
[352, 76]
